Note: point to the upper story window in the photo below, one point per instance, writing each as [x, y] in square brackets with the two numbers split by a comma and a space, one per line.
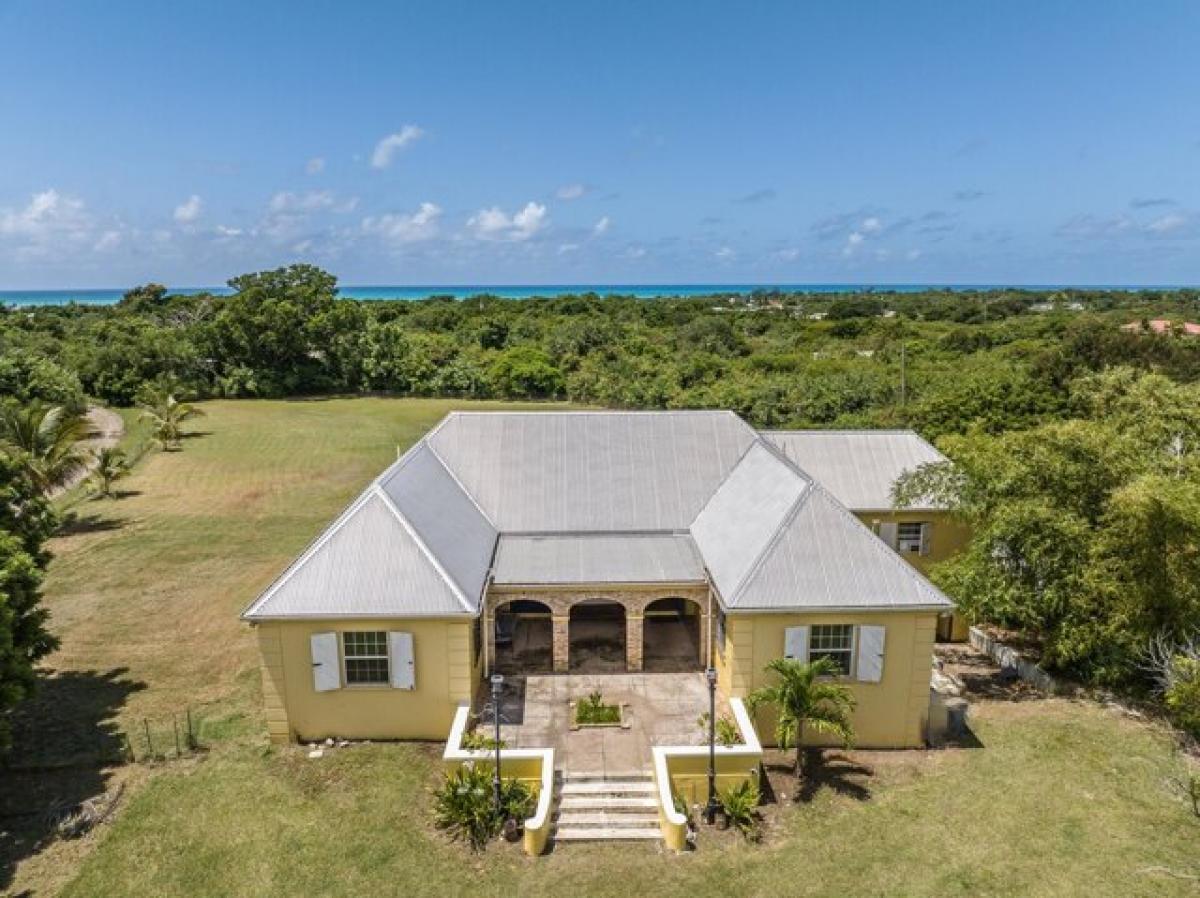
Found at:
[366, 657]
[835, 642]
[911, 536]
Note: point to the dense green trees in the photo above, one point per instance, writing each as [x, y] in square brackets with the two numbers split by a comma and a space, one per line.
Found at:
[1087, 530]
[1076, 441]
[26, 522]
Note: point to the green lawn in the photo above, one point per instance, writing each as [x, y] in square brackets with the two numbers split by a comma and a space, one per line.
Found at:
[1062, 798]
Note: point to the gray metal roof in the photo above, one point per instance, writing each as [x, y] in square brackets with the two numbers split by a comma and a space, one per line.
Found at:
[858, 466]
[598, 558]
[591, 471]
[367, 564]
[446, 518]
[620, 497]
[743, 515]
[823, 557]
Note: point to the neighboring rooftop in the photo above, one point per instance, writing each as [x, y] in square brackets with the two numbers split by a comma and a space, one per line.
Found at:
[1162, 326]
[561, 498]
[859, 467]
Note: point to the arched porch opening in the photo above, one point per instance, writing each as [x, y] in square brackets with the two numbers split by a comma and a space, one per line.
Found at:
[596, 633]
[524, 637]
[671, 636]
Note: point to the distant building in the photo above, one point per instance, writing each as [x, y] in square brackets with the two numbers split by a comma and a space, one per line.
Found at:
[1162, 326]
[1042, 307]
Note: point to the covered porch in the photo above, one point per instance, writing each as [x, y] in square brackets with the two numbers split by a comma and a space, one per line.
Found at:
[568, 629]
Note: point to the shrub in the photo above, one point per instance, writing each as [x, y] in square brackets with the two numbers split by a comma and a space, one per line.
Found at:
[740, 804]
[1182, 696]
[726, 730]
[593, 710]
[464, 804]
[478, 741]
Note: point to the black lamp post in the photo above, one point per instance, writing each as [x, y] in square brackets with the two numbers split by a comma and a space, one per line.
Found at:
[710, 810]
[497, 684]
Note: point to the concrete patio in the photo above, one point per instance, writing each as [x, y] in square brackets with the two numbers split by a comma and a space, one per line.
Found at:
[662, 709]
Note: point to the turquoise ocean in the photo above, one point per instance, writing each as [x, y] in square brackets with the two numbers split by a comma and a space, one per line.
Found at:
[527, 291]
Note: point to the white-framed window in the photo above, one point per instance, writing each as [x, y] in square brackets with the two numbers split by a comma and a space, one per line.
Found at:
[910, 536]
[835, 642]
[365, 657]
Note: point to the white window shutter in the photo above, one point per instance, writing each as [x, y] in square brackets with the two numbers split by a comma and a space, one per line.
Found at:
[326, 670]
[870, 654]
[926, 530]
[887, 532]
[795, 643]
[402, 662]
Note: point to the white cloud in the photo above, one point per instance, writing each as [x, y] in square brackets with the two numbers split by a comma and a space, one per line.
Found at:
[50, 221]
[570, 192]
[189, 210]
[601, 227]
[495, 224]
[107, 242]
[853, 242]
[790, 254]
[912, 255]
[1170, 222]
[725, 253]
[315, 165]
[314, 200]
[386, 150]
[226, 231]
[871, 225]
[635, 252]
[565, 248]
[399, 228]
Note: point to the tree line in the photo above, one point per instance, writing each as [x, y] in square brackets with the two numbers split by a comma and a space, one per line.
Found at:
[1073, 439]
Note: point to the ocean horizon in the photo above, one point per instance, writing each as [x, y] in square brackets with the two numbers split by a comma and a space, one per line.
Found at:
[109, 296]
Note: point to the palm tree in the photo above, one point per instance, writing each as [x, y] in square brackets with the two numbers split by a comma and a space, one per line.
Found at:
[109, 467]
[804, 697]
[47, 437]
[166, 415]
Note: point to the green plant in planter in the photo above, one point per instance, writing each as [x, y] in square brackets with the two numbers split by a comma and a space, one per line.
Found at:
[740, 804]
[726, 729]
[593, 710]
[464, 804]
[477, 741]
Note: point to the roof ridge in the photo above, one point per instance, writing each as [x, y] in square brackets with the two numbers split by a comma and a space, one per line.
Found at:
[458, 482]
[787, 518]
[424, 547]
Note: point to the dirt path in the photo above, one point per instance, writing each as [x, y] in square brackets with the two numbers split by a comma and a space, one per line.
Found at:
[105, 429]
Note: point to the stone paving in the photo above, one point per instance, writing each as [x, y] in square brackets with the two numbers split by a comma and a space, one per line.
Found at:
[662, 709]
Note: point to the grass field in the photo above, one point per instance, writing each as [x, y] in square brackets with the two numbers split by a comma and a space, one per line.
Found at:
[1062, 798]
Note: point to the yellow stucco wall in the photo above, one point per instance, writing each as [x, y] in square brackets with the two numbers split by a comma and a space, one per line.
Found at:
[947, 537]
[444, 669]
[890, 714]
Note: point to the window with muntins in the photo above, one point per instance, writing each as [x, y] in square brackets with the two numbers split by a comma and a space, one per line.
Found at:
[909, 536]
[366, 655]
[835, 642]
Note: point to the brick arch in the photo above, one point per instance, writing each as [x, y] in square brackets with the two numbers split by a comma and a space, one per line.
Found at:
[560, 600]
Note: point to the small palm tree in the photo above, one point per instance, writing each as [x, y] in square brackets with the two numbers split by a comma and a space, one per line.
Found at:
[803, 698]
[47, 438]
[166, 415]
[110, 465]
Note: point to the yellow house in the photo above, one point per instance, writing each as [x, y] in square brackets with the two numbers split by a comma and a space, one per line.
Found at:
[860, 468]
[508, 540]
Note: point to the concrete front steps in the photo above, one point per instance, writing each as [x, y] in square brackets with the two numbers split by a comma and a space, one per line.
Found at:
[599, 808]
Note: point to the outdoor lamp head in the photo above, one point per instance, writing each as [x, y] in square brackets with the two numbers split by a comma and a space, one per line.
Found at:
[711, 675]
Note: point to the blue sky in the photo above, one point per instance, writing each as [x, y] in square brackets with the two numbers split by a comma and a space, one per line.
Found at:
[615, 142]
